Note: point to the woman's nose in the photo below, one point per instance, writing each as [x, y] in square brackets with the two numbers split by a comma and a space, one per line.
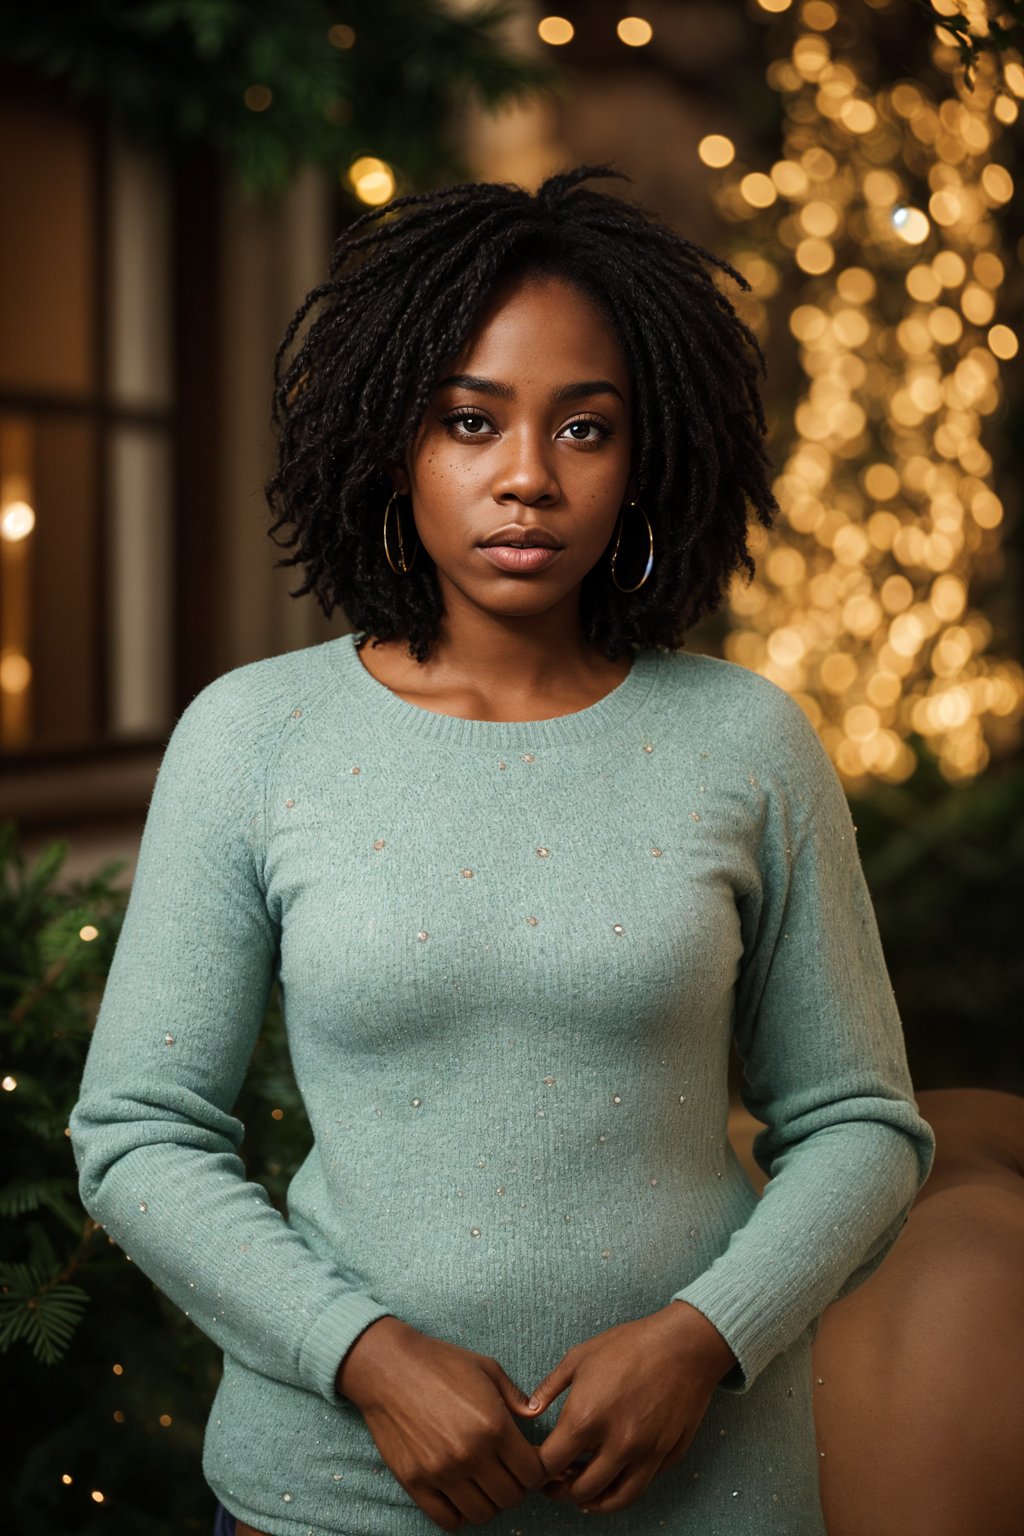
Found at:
[525, 469]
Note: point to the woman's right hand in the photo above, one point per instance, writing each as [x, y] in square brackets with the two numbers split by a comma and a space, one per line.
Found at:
[440, 1417]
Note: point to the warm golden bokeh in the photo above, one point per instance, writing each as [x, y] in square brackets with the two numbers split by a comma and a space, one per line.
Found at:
[882, 213]
[372, 180]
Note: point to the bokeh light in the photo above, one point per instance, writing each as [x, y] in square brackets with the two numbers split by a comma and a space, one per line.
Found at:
[371, 180]
[555, 30]
[634, 31]
[877, 228]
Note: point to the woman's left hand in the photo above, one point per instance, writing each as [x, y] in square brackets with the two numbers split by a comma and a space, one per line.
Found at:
[639, 1392]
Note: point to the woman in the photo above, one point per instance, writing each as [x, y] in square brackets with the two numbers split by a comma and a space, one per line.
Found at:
[522, 866]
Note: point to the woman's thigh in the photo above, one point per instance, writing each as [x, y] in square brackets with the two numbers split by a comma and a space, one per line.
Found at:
[917, 1372]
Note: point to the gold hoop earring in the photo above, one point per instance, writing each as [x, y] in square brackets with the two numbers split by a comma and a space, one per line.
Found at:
[650, 554]
[405, 567]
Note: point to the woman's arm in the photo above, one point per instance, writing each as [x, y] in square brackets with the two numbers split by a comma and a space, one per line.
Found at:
[153, 1135]
[817, 1027]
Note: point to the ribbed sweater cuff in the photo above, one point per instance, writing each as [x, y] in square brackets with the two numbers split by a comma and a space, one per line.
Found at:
[332, 1336]
[735, 1313]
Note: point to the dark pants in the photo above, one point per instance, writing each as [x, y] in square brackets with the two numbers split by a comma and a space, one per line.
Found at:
[224, 1522]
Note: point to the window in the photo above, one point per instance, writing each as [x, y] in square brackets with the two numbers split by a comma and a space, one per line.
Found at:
[87, 432]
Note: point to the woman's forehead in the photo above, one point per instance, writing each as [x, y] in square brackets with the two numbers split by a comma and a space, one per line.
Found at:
[551, 334]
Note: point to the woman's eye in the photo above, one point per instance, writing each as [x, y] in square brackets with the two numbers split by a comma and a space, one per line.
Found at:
[583, 430]
[602, 431]
[461, 421]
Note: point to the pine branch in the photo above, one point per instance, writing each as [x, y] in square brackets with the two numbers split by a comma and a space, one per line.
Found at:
[40, 1309]
[972, 45]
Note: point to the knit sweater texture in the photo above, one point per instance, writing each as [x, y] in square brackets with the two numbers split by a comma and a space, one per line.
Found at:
[511, 957]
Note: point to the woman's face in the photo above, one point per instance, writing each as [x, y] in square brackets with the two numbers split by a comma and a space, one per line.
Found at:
[497, 448]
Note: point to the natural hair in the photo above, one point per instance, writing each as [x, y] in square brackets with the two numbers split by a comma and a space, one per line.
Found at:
[402, 300]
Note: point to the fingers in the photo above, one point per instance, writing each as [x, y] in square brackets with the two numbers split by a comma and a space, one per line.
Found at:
[515, 1398]
[513, 1452]
[619, 1493]
[471, 1500]
[554, 1383]
[559, 1486]
[567, 1446]
[438, 1508]
[476, 1496]
[462, 1497]
[503, 1485]
[461, 1460]
[523, 1461]
[496, 1487]
[607, 1485]
[599, 1479]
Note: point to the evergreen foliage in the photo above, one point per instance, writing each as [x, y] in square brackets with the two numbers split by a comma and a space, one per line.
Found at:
[172, 75]
[71, 1306]
[945, 866]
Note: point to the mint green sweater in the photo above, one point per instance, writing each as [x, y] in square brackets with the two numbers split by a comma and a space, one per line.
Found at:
[511, 957]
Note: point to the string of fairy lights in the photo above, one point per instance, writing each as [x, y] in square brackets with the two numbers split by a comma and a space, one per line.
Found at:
[861, 605]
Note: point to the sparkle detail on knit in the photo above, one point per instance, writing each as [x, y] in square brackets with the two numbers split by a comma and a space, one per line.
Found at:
[512, 958]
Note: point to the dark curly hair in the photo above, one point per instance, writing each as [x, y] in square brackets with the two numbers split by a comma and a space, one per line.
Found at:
[403, 299]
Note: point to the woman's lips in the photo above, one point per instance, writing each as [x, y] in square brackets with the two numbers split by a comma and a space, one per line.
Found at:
[510, 557]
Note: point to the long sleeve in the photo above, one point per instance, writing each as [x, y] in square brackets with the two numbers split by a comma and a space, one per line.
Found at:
[154, 1139]
[816, 1025]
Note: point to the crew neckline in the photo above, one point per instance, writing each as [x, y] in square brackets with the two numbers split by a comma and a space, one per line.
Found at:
[389, 709]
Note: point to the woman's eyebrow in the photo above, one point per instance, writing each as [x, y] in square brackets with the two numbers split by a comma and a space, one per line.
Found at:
[507, 392]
